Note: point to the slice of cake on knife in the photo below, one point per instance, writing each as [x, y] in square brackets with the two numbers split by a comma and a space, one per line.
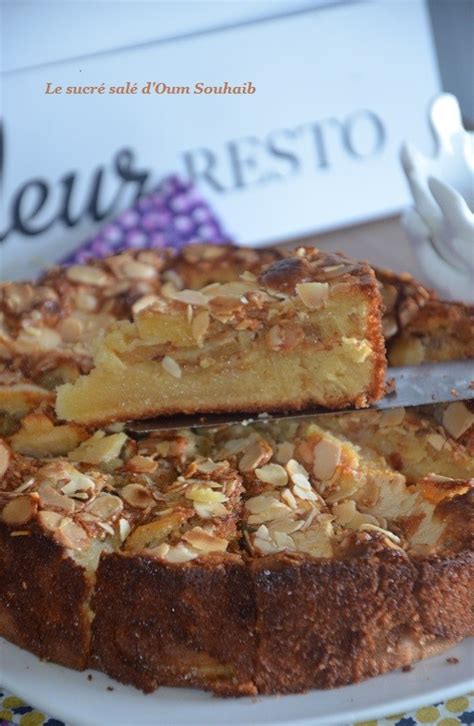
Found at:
[305, 331]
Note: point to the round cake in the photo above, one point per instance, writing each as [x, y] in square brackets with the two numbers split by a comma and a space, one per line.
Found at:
[271, 557]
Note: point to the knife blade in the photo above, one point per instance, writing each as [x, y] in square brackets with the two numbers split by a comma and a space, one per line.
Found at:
[426, 383]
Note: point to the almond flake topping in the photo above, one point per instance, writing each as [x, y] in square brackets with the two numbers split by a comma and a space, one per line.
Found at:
[285, 452]
[99, 449]
[373, 528]
[144, 302]
[171, 367]
[135, 270]
[436, 441]
[392, 417]
[50, 520]
[272, 474]
[327, 454]
[313, 294]
[179, 553]
[78, 482]
[142, 464]
[105, 506]
[204, 494]
[457, 419]
[71, 329]
[87, 275]
[19, 510]
[137, 496]
[204, 541]
[209, 510]
[256, 454]
[190, 297]
[124, 529]
[200, 326]
[4, 458]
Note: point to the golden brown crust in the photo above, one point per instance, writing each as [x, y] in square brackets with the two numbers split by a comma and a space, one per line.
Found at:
[325, 624]
[44, 598]
[188, 625]
[279, 624]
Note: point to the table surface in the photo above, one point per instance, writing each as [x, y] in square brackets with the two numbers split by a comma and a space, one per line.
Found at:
[453, 712]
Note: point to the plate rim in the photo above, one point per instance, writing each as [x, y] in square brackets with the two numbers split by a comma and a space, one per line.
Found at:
[428, 695]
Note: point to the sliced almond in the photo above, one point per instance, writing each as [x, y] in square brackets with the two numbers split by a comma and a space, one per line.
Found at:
[392, 417]
[142, 464]
[457, 419]
[71, 329]
[436, 441]
[78, 482]
[105, 506]
[287, 525]
[190, 297]
[200, 326]
[210, 467]
[42, 338]
[210, 510]
[135, 270]
[284, 541]
[50, 520]
[71, 535]
[4, 458]
[205, 495]
[204, 541]
[294, 467]
[171, 367]
[260, 503]
[137, 496]
[99, 449]
[180, 553]
[256, 454]
[344, 512]
[264, 546]
[19, 510]
[124, 529]
[304, 492]
[51, 499]
[273, 474]
[327, 454]
[18, 296]
[260, 514]
[87, 275]
[144, 302]
[284, 452]
[313, 294]
[289, 498]
[374, 528]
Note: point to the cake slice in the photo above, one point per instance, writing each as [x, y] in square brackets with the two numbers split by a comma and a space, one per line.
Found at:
[306, 331]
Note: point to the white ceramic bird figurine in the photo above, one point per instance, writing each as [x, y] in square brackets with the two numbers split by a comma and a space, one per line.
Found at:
[441, 223]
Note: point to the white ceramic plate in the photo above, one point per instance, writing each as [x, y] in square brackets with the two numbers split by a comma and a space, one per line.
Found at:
[70, 696]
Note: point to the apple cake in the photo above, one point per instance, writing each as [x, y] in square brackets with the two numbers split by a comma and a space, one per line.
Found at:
[267, 558]
[305, 331]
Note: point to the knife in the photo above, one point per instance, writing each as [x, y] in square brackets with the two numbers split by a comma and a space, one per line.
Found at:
[426, 383]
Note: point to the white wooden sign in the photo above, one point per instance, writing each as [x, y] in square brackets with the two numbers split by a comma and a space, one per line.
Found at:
[288, 125]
